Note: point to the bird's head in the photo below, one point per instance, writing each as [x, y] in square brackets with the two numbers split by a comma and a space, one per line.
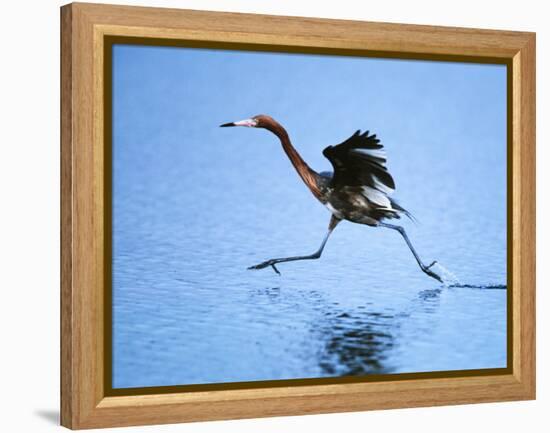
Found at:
[258, 121]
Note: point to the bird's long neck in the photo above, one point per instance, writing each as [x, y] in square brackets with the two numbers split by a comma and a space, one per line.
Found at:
[308, 175]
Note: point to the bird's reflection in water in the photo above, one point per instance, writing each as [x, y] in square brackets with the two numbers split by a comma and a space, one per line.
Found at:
[429, 295]
[356, 343]
[428, 302]
[359, 340]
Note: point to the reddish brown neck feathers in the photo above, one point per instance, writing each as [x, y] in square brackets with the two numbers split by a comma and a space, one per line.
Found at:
[308, 175]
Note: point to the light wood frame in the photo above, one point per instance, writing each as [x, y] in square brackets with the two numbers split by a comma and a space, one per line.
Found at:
[84, 403]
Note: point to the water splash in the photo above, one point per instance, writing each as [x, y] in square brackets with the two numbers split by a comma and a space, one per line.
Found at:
[448, 277]
[451, 280]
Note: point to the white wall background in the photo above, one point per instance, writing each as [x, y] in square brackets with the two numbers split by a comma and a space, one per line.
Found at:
[29, 220]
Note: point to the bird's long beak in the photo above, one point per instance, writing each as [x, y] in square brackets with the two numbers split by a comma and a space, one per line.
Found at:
[245, 122]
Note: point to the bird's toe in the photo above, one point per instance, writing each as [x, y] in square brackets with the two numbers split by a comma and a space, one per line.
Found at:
[265, 265]
[260, 265]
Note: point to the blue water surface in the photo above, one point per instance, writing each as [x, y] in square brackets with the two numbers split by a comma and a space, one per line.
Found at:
[194, 205]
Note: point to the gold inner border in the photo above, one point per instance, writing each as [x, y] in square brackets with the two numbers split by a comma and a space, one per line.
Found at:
[109, 41]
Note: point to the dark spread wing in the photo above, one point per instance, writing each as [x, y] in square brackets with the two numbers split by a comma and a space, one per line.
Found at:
[360, 161]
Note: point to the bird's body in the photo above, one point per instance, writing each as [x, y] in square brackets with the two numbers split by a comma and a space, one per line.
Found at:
[353, 204]
[358, 190]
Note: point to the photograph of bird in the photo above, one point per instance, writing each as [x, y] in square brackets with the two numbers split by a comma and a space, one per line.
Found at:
[358, 190]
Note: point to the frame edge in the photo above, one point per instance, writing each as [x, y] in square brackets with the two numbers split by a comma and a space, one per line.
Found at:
[67, 405]
[78, 411]
[526, 105]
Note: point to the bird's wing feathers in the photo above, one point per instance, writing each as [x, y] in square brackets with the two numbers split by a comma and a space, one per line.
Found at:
[360, 161]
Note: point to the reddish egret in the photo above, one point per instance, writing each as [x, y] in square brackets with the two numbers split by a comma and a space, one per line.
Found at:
[357, 191]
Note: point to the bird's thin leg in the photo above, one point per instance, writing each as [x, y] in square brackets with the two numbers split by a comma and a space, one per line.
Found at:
[425, 269]
[272, 262]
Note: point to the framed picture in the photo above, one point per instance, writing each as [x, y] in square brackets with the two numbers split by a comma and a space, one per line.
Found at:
[358, 234]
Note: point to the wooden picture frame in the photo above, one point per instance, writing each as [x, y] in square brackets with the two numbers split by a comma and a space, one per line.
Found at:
[86, 32]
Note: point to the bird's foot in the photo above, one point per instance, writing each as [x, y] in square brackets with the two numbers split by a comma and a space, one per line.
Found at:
[428, 271]
[265, 264]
